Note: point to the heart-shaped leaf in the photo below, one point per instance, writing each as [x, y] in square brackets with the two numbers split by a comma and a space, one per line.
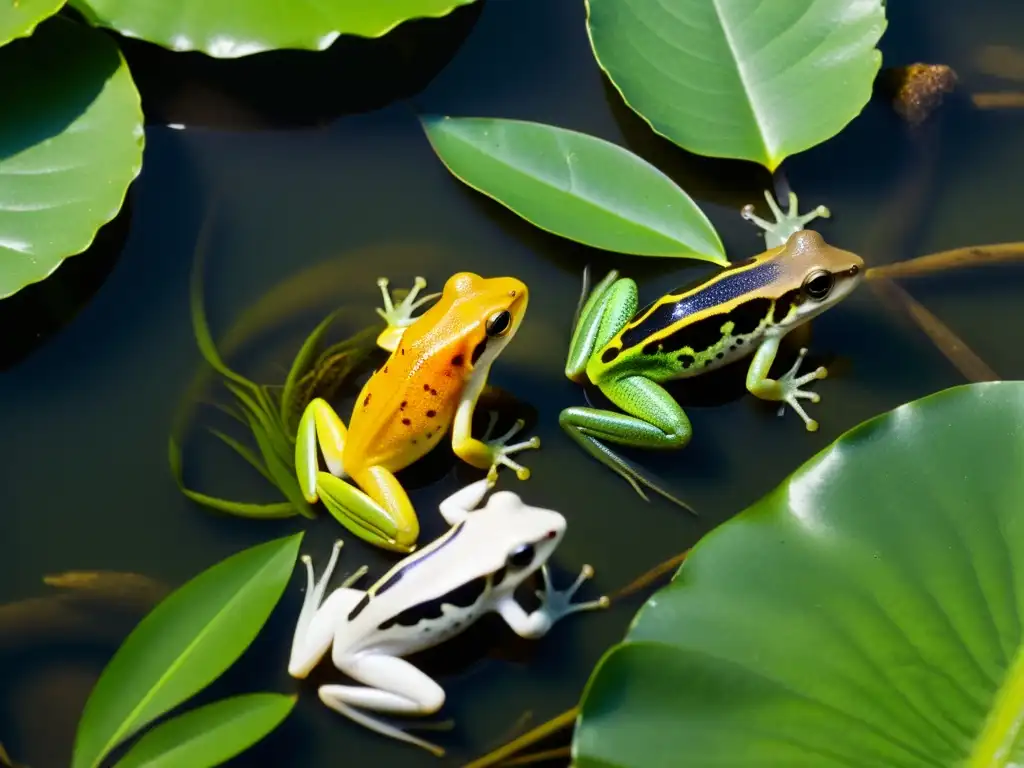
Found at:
[183, 645]
[228, 29]
[868, 612]
[209, 735]
[71, 142]
[576, 186]
[18, 18]
[743, 79]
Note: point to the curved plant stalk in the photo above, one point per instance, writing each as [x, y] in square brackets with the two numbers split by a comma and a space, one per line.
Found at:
[269, 412]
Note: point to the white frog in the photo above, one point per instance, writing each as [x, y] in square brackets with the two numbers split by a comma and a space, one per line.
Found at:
[430, 596]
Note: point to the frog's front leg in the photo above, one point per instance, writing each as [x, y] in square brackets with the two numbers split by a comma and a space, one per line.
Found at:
[381, 514]
[555, 605]
[396, 687]
[461, 504]
[653, 419]
[487, 453]
[787, 389]
[785, 224]
[400, 317]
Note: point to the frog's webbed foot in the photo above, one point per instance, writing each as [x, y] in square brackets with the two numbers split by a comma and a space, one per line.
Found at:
[557, 604]
[501, 450]
[792, 393]
[400, 315]
[785, 224]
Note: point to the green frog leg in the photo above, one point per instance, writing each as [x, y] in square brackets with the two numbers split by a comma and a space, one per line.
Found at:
[652, 418]
[787, 389]
[393, 527]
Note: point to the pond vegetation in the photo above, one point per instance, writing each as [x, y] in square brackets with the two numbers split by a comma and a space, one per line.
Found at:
[850, 598]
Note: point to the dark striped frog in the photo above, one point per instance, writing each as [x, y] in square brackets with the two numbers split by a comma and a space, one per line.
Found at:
[744, 309]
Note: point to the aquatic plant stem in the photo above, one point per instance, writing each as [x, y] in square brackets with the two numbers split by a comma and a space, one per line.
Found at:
[542, 731]
[957, 258]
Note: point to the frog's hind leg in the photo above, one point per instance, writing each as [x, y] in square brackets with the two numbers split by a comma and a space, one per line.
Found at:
[395, 687]
[785, 224]
[378, 511]
[384, 516]
[659, 423]
[609, 307]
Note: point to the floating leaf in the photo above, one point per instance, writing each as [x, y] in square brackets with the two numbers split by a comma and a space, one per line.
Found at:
[868, 612]
[70, 146]
[18, 18]
[229, 28]
[741, 79]
[184, 644]
[576, 186]
[209, 735]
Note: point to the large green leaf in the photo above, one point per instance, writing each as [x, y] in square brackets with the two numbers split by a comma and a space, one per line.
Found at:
[868, 612]
[576, 186]
[209, 735]
[745, 79]
[231, 28]
[185, 643]
[71, 142]
[19, 17]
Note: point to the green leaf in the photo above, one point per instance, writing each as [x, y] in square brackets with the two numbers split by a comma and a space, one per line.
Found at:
[303, 362]
[867, 612]
[183, 645]
[71, 144]
[741, 79]
[200, 328]
[211, 734]
[229, 29]
[245, 452]
[576, 186]
[18, 18]
[240, 508]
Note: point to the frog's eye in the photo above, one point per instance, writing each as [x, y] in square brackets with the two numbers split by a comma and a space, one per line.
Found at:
[819, 284]
[521, 556]
[498, 323]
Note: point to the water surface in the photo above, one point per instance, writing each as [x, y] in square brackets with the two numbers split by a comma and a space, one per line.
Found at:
[330, 175]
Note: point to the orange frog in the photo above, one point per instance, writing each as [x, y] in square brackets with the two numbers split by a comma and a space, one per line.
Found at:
[431, 382]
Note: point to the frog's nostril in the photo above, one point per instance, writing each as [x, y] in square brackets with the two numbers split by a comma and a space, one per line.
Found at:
[552, 534]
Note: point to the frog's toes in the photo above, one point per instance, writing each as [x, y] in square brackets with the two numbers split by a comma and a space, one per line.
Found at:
[558, 603]
[785, 224]
[400, 315]
[792, 393]
[502, 450]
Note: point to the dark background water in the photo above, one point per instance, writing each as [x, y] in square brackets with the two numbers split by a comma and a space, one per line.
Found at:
[323, 177]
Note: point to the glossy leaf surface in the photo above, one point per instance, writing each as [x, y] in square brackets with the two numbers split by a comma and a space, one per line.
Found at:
[19, 17]
[742, 79]
[183, 644]
[228, 29]
[211, 734]
[576, 186]
[867, 612]
[71, 144]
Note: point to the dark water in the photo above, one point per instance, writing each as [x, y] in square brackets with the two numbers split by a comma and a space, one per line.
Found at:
[319, 164]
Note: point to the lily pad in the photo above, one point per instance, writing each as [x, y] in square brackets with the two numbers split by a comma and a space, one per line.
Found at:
[18, 18]
[228, 29]
[741, 79]
[71, 143]
[576, 186]
[867, 612]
